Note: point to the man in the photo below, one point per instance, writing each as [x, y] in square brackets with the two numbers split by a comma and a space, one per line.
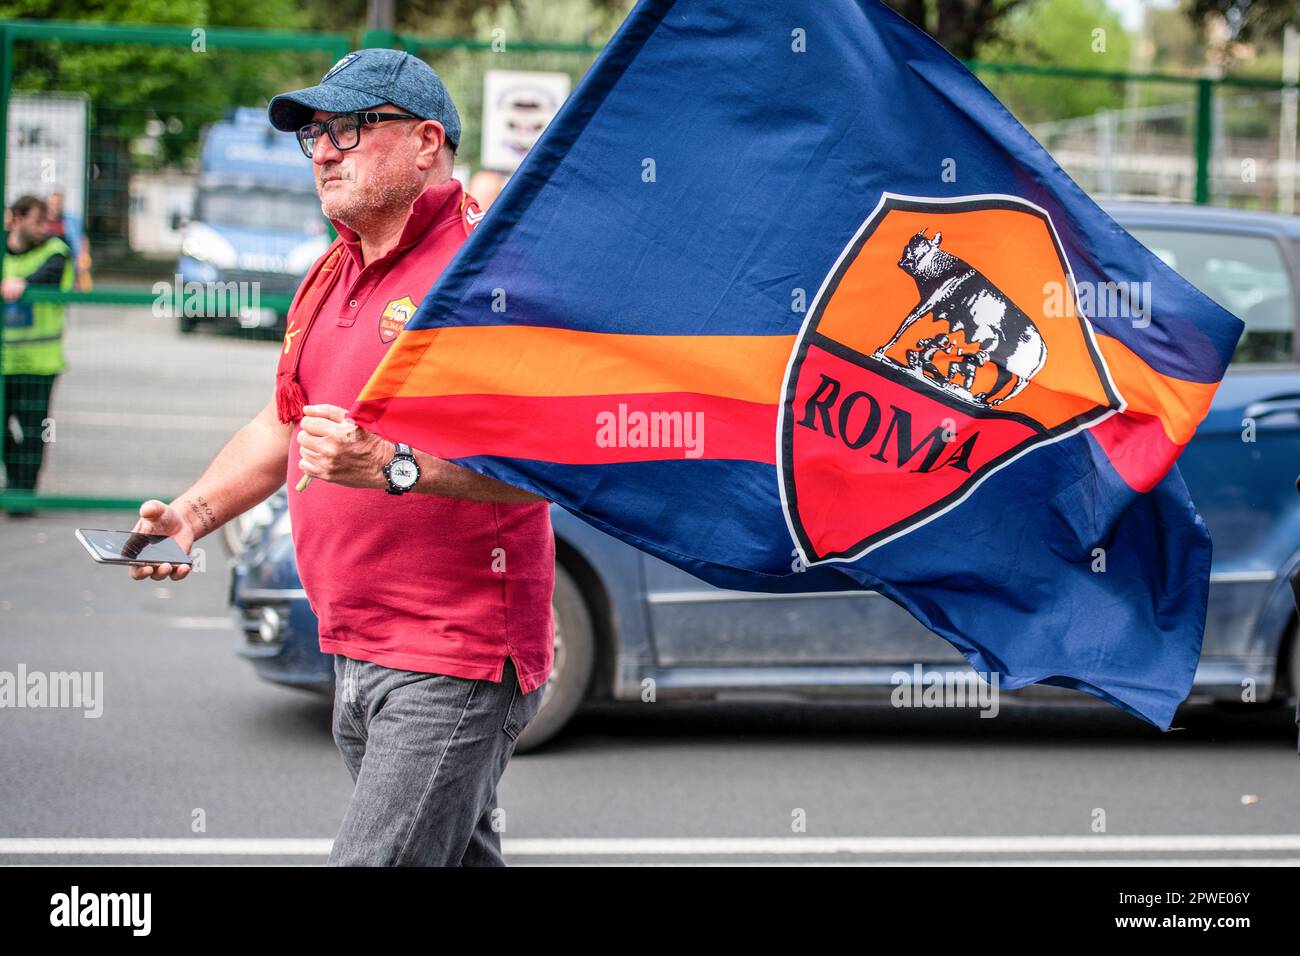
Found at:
[54, 215]
[33, 339]
[432, 583]
[68, 228]
[485, 186]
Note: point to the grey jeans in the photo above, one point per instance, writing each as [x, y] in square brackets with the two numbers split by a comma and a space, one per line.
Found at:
[425, 752]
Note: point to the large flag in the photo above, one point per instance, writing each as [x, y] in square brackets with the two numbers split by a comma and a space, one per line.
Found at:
[785, 297]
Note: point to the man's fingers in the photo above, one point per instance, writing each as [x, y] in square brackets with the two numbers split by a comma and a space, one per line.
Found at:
[332, 412]
[314, 426]
[318, 426]
[160, 572]
[154, 518]
[153, 509]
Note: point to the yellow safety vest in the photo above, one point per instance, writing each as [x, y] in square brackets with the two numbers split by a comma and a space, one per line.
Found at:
[33, 331]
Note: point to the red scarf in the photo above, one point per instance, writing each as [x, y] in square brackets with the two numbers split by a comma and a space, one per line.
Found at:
[289, 396]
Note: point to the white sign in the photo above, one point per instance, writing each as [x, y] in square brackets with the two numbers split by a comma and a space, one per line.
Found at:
[47, 149]
[517, 106]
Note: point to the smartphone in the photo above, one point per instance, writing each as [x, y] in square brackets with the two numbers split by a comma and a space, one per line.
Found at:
[131, 547]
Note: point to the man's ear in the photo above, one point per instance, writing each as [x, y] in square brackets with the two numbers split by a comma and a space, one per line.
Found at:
[432, 136]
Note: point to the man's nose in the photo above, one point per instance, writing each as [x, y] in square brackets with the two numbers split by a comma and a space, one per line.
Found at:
[325, 151]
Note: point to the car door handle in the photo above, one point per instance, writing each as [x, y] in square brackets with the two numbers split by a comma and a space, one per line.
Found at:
[1282, 405]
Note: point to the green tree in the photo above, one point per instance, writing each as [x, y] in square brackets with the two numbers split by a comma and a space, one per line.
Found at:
[1176, 45]
[133, 88]
[1085, 34]
[590, 20]
[1247, 20]
[139, 83]
[964, 27]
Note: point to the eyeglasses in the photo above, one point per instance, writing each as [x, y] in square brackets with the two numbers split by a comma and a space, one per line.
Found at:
[344, 129]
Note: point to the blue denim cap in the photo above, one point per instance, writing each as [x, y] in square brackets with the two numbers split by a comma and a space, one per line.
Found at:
[364, 79]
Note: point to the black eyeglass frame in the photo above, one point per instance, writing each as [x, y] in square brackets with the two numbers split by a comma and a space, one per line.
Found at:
[363, 118]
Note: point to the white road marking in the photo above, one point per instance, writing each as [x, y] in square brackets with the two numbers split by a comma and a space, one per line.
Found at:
[165, 846]
[203, 623]
[135, 419]
[683, 846]
[909, 846]
[1036, 861]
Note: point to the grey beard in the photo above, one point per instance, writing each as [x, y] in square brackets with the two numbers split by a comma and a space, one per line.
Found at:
[386, 200]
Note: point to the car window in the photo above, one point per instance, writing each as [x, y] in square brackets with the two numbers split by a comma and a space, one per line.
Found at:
[1245, 274]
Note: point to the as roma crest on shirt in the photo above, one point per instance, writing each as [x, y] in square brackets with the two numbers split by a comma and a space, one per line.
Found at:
[394, 317]
[944, 344]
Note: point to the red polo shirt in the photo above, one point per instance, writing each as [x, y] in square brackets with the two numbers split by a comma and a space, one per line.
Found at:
[416, 582]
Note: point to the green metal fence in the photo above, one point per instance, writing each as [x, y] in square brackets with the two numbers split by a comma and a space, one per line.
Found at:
[88, 458]
[142, 406]
[1180, 117]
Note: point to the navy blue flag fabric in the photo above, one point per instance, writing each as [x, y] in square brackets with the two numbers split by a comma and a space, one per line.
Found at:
[787, 298]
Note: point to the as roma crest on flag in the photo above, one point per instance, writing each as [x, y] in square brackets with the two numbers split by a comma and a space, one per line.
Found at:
[944, 344]
[394, 318]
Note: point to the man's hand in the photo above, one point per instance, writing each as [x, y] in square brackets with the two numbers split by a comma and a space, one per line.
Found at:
[158, 518]
[337, 449]
[12, 289]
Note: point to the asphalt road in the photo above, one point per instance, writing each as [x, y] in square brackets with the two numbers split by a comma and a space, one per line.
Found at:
[187, 732]
[141, 409]
[194, 760]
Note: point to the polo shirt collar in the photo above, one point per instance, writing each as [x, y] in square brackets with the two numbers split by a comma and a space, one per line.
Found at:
[437, 203]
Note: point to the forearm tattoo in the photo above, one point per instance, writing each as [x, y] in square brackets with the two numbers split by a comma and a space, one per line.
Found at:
[203, 512]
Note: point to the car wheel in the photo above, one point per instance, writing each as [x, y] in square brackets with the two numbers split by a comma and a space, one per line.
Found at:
[575, 659]
[232, 534]
[1293, 663]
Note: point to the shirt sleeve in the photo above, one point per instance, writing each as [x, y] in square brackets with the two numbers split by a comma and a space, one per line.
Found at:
[50, 272]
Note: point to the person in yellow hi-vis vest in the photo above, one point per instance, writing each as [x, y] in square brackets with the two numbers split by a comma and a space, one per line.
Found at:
[32, 349]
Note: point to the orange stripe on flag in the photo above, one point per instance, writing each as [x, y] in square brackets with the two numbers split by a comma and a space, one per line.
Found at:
[541, 362]
[1178, 404]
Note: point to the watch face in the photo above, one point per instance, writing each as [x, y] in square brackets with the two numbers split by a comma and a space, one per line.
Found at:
[403, 472]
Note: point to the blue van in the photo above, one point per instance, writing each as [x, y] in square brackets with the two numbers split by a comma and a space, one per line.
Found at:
[257, 225]
[623, 616]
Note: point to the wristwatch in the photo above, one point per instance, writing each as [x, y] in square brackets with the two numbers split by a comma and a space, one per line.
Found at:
[402, 471]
